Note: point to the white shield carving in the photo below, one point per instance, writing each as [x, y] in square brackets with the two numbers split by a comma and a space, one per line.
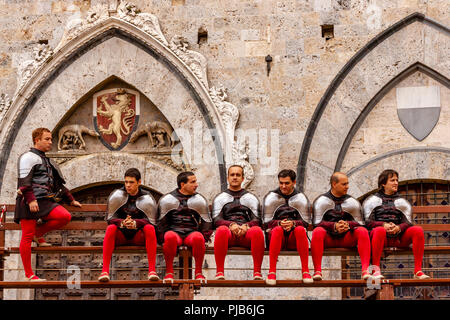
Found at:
[418, 109]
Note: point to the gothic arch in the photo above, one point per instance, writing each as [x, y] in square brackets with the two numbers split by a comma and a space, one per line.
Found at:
[52, 83]
[339, 109]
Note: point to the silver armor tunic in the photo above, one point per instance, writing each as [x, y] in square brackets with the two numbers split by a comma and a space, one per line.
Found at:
[273, 201]
[248, 200]
[374, 201]
[197, 202]
[323, 204]
[146, 203]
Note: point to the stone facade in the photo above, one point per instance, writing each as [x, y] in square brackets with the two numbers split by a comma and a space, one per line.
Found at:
[201, 64]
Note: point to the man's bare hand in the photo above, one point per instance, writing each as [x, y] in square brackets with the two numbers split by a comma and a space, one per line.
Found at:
[75, 203]
[129, 223]
[34, 207]
[235, 229]
[341, 226]
[391, 228]
[243, 230]
[286, 224]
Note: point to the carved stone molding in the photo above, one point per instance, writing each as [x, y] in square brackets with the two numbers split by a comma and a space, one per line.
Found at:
[27, 68]
[144, 27]
[230, 116]
[5, 103]
[194, 60]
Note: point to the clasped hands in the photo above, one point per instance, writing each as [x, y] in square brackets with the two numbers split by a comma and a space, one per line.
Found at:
[238, 230]
[128, 223]
[391, 228]
[341, 226]
[286, 224]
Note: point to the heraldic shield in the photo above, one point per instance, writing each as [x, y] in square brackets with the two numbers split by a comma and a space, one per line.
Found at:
[116, 115]
[418, 109]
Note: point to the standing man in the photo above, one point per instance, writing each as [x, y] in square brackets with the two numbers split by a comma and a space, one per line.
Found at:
[388, 216]
[40, 185]
[184, 219]
[338, 224]
[286, 216]
[131, 221]
[236, 216]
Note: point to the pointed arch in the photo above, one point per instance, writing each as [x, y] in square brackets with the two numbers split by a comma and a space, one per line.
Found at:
[75, 49]
[352, 78]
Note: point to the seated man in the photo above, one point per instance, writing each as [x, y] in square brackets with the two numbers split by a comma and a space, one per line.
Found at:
[40, 186]
[286, 216]
[131, 221]
[184, 219]
[237, 219]
[388, 216]
[338, 224]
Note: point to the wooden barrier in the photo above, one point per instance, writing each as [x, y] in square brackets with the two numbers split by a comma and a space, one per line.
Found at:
[187, 285]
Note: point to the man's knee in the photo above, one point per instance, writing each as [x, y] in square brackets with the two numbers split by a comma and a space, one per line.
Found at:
[300, 231]
[378, 232]
[362, 232]
[319, 233]
[222, 231]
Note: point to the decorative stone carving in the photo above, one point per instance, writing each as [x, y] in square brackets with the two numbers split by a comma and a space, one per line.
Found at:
[76, 26]
[71, 137]
[240, 157]
[179, 166]
[27, 68]
[145, 21]
[194, 60]
[159, 134]
[229, 114]
[5, 103]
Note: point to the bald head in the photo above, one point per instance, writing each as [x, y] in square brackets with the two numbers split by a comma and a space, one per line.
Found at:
[339, 184]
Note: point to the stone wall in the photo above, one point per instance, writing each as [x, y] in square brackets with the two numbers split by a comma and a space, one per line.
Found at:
[276, 110]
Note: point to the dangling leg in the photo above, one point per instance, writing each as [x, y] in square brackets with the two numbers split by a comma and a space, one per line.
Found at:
[148, 236]
[171, 242]
[276, 243]
[223, 235]
[196, 241]
[378, 236]
[112, 238]
[317, 247]
[256, 237]
[415, 236]
[303, 249]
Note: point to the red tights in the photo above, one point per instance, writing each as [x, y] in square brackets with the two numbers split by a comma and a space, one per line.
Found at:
[172, 241]
[412, 235]
[297, 240]
[358, 237]
[114, 237]
[56, 219]
[253, 239]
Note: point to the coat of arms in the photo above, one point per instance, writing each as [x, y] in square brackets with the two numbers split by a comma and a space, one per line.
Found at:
[418, 109]
[116, 116]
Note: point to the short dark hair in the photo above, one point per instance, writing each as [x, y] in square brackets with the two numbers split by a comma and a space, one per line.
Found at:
[184, 177]
[133, 173]
[384, 177]
[287, 173]
[37, 133]
[237, 166]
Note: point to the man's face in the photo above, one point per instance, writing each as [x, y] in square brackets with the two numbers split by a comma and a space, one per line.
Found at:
[235, 177]
[340, 188]
[286, 185]
[391, 185]
[190, 186]
[44, 143]
[132, 185]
